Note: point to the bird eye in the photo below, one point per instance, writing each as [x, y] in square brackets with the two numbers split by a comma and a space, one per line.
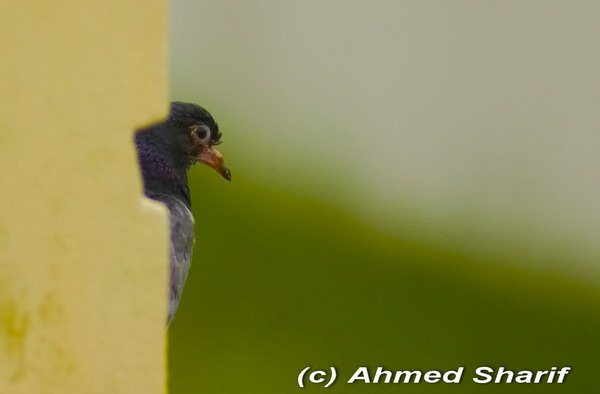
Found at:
[202, 133]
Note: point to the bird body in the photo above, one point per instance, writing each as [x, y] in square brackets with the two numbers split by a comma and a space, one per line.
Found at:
[165, 152]
[181, 226]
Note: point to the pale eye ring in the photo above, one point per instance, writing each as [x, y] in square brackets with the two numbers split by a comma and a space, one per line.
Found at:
[202, 132]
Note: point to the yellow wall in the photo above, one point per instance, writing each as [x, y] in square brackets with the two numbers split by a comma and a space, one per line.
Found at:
[83, 256]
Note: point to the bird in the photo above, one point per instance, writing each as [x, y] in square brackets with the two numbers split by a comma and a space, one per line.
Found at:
[166, 151]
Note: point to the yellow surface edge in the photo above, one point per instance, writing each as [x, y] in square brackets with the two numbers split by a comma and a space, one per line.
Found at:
[83, 255]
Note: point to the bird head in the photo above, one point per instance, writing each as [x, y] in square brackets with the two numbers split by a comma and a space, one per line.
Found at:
[191, 134]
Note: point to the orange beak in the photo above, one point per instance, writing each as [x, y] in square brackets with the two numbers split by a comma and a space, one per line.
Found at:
[214, 159]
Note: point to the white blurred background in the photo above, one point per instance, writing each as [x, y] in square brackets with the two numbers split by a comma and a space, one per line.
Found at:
[473, 122]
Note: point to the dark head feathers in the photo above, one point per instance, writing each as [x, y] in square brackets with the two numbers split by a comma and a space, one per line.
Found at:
[166, 150]
[189, 114]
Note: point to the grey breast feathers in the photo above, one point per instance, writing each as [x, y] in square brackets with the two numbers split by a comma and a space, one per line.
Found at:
[180, 251]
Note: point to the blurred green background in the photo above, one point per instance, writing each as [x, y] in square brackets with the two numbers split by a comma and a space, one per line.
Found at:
[415, 186]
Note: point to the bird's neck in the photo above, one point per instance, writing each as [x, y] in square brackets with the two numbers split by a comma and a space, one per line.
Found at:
[163, 174]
